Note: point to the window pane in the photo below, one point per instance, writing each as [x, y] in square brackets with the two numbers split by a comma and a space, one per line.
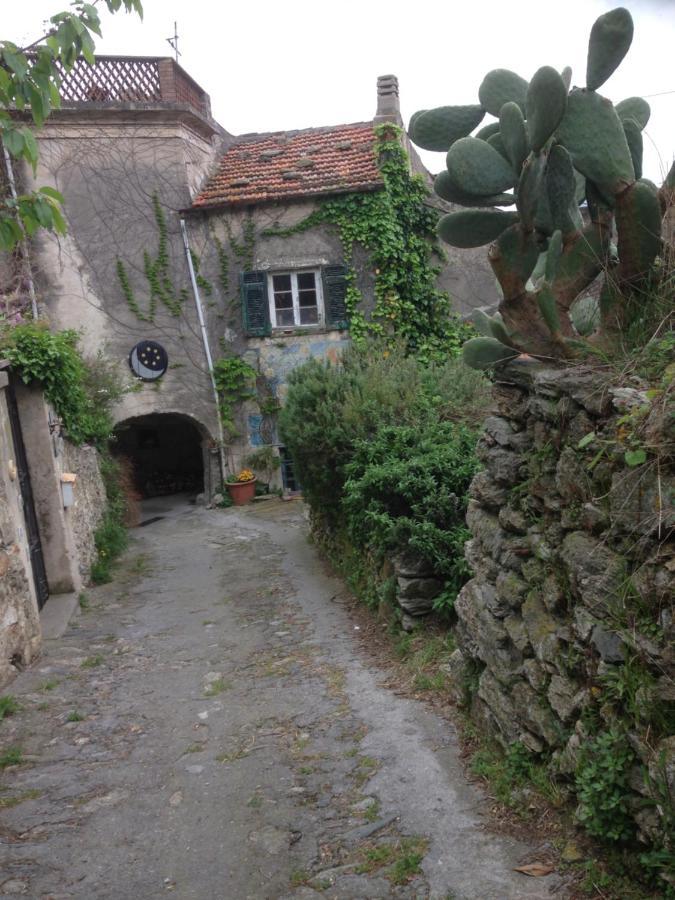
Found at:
[283, 300]
[307, 298]
[309, 315]
[306, 280]
[285, 317]
[281, 282]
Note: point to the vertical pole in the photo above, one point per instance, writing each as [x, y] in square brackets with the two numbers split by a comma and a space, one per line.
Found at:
[205, 341]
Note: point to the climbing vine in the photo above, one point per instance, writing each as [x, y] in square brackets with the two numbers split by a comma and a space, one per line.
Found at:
[398, 227]
[162, 289]
[234, 379]
[244, 249]
[202, 282]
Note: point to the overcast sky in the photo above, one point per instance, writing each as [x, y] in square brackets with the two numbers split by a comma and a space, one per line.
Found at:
[271, 65]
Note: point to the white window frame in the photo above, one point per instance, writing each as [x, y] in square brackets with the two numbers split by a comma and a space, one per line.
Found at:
[293, 273]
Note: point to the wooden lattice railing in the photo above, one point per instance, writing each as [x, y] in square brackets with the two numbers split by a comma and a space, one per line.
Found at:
[141, 79]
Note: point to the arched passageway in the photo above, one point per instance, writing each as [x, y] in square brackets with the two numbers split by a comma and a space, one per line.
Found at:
[164, 452]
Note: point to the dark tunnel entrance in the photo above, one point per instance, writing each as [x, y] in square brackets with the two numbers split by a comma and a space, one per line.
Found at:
[163, 453]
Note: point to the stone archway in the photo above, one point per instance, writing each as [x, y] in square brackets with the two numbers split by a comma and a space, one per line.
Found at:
[167, 453]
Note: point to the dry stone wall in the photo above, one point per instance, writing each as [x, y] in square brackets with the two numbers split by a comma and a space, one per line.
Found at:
[566, 627]
[89, 504]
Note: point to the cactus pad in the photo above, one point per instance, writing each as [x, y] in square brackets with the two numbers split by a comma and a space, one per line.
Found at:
[438, 129]
[555, 246]
[514, 135]
[638, 225]
[634, 108]
[529, 188]
[546, 102]
[566, 76]
[487, 131]
[561, 188]
[485, 353]
[585, 315]
[497, 141]
[611, 37]
[445, 187]
[477, 168]
[474, 227]
[634, 139]
[499, 87]
[593, 134]
[548, 309]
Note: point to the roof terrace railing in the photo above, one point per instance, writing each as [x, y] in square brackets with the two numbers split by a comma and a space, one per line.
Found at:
[138, 79]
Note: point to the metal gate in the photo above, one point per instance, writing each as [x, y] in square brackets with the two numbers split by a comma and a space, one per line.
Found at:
[33, 534]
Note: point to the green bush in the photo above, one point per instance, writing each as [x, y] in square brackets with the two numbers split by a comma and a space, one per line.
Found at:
[384, 449]
[407, 487]
[602, 787]
[80, 392]
[331, 409]
[111, 536]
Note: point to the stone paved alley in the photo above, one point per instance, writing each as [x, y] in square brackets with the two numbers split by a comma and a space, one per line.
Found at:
[210, 728]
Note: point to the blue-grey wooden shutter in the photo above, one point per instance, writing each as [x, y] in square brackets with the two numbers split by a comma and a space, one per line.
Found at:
[335, 296]
[254, 304]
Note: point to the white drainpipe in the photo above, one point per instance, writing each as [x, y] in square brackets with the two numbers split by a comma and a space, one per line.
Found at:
[207, 349]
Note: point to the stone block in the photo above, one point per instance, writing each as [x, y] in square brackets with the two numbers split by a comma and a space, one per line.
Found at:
[481, 634]
[581, 384]
[487, 492]
[416, 595]
[541, 627]
[608, 644]
[486, 529]
[571, 480]
[534, 712]
[517, 632]
[498, 700]
[510, 401]
[504, 466]
[642, 500]
[565, 697]
[512, 519]
[595, 572]
[511, 589]
[411, 565]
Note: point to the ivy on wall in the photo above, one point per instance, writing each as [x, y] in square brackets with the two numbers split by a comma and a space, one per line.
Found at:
[156, 269]
[398, 228]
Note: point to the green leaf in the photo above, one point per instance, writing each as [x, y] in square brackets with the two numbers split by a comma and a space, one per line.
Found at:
[53, 193]
[16, 61]
[586, 440]
[634, 457]
[14, 140]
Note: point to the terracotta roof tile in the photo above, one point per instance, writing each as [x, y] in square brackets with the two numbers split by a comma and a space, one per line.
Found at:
[263, 168]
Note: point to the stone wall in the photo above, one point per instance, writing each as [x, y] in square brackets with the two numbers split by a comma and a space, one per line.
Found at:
[19, 620]
[89, 502]
[566, 627]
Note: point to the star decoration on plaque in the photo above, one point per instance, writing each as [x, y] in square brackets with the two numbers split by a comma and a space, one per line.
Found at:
[148, 360]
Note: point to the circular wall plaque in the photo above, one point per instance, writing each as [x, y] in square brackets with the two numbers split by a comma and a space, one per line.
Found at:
[148, 360]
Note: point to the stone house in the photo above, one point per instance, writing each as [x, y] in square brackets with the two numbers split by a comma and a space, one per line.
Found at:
[171, 252]
[174, 257]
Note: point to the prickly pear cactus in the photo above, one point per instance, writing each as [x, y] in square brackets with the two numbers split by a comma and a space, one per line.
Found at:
[570, 163]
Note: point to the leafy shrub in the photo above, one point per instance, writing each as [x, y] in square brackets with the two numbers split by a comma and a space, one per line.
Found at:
[80, 392]
[407, 487]
[331, 409]
[111, 537]
[602, 787]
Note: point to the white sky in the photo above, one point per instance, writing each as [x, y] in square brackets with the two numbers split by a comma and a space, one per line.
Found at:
[271, 65]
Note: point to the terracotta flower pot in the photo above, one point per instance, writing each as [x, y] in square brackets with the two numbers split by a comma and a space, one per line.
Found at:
[241, 492]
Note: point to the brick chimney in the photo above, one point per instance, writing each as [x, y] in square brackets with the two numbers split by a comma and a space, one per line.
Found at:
[388, 109]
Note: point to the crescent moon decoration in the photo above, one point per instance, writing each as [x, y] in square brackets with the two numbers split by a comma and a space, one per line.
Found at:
[148, 360]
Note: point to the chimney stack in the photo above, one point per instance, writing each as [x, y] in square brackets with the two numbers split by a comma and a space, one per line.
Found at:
[388, 109]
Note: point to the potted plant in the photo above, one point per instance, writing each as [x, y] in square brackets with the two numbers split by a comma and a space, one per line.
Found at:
[264, 461]
[241, 487]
